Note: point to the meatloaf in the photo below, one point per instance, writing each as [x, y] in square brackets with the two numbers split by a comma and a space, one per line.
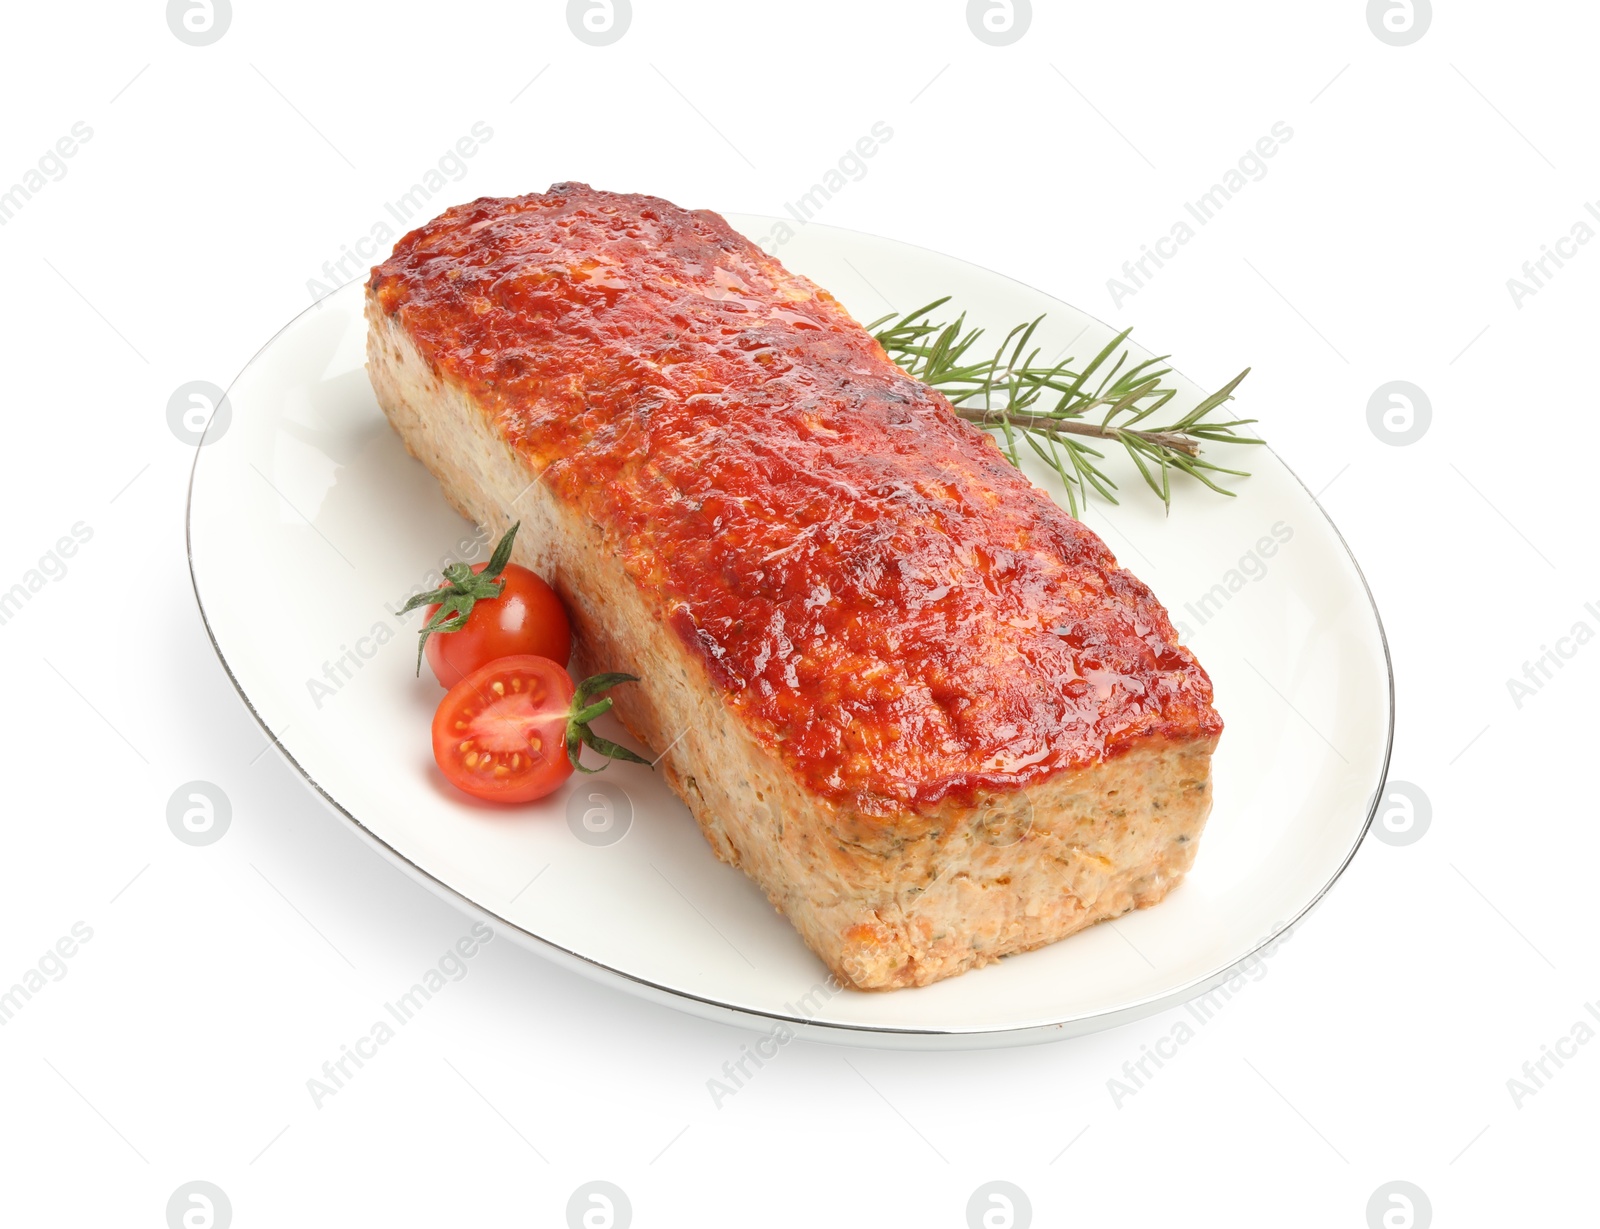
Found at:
[910, 696]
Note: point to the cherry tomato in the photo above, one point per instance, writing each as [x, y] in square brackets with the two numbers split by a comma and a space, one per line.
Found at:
[500, 733]
[527, 617]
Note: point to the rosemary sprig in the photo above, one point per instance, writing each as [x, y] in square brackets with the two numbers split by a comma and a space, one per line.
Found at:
[1048, 405]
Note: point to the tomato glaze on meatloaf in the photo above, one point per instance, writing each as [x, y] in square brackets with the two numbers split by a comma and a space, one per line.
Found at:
[891, 606]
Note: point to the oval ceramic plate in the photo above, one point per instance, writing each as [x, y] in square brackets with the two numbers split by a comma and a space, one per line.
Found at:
[306, 481]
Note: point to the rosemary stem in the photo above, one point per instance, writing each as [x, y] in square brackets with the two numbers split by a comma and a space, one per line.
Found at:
[1074, 426]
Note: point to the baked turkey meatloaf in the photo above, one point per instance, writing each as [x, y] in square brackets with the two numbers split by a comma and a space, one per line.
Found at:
[902, 689]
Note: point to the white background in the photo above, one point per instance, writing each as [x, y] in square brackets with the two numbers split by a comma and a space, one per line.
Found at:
[1378, 1046]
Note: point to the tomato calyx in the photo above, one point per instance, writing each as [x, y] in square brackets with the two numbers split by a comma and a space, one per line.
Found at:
[465, 589]
[582, 712]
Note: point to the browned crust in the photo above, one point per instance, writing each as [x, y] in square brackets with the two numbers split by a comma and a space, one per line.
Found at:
[888, 604]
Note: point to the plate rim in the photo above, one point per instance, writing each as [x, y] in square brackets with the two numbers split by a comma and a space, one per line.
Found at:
[831, 1032]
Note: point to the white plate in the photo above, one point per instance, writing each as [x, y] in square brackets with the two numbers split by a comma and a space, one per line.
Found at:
[308, 522]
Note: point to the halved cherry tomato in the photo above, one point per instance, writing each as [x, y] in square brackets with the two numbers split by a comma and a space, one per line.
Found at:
[511, 730]
[527, 617]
